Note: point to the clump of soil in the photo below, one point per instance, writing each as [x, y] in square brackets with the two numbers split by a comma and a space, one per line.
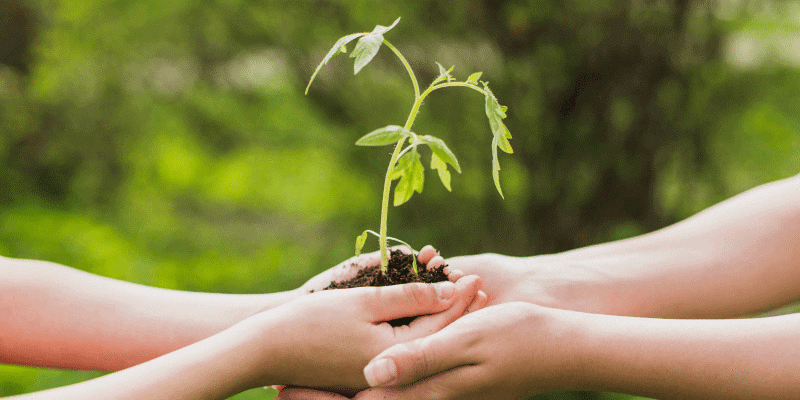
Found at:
[399, 271]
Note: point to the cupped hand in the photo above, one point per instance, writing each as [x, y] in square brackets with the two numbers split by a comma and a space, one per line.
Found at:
[349, 268]
[500, 352]
[324, 339]
[504, 278]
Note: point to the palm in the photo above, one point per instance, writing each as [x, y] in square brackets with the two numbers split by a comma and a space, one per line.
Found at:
[504, 277]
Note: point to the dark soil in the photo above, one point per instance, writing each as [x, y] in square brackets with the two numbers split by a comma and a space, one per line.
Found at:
[399, 271]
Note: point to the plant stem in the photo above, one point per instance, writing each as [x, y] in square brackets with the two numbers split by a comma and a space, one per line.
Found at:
[387, 182]
[387, 185]
[407, 65]
[453, 84]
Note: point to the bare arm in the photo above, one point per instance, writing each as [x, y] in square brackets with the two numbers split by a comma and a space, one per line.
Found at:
[692, 359]
[308, 341]
[739, 256]
[519, 349]
[55, 316]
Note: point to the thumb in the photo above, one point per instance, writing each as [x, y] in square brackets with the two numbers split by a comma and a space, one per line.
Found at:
[409, 362]
[409, 300]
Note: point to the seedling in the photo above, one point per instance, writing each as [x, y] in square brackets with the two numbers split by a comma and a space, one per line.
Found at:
[405, 164]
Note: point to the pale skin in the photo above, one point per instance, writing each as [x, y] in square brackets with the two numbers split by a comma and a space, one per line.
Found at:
[575, 320]
[209, 346]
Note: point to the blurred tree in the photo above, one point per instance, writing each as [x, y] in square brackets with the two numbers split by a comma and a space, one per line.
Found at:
[18, 22]
[169, 143]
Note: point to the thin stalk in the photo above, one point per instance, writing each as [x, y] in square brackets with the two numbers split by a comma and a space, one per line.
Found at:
[387, 185]
[387, 182]
[407, 65]
[410, 249]
[453, 84]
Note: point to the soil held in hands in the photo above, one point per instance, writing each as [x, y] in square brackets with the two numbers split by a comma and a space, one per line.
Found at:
[399, 271]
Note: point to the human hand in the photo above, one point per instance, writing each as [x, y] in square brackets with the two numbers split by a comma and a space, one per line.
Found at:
[552, 280]
[349, 268]
[325, 339]
[500, 352]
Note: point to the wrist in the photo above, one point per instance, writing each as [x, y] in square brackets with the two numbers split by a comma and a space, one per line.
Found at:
[254, 345]
[559, 355]
[258, 303]
[556, 281]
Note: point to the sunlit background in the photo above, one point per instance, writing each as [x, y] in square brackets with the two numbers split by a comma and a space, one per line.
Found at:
[169, 143]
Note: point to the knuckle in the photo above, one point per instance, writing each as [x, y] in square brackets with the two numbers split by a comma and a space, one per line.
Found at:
[418, 293]
[422, 359]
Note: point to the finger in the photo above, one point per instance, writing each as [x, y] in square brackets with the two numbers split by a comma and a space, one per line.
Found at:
[453, 274]
[466, 291]
[409, 362]
[426, 254]
[435, 262]
[350, 267]
[409, 300]
[480, 301]
[451, 384]
[298, 393]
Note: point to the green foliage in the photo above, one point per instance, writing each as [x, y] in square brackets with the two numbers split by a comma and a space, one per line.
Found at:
[168, 143]
[384, 136]
[368, 46]
[406, 165]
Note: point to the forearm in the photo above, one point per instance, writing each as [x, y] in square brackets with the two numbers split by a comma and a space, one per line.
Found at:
[55, 316]
[740, 256]
[214, 368]
[689, 359]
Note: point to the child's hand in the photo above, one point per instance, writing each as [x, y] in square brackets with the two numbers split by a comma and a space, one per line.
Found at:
[325, 339]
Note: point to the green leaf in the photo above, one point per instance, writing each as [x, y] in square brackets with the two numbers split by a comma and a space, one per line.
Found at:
[503, 144]
[495, 113]
[402, 165]
[411, 179]
[368, 46]
[441, 150]
[418, 173]
[441, 167]
[496, 167]
[383, 29]
[339, 45]
[360, 240]
[445, 73]
[492, 105]
[403, 190]
[473, 79]
[383, 136]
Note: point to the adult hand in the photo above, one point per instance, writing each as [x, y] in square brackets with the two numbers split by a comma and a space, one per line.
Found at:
[554, 280]
[500, 352]
[325, 339]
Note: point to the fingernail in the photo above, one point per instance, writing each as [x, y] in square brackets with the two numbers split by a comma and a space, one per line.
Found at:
[445, 290]
[380, 372]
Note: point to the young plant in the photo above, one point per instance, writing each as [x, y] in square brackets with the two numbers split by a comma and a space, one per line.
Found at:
[405, 164]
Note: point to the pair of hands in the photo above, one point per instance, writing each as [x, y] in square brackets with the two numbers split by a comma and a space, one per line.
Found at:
[484, 354]
[324, 339]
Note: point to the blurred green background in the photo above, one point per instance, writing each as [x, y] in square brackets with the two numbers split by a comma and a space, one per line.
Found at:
[169, 143]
